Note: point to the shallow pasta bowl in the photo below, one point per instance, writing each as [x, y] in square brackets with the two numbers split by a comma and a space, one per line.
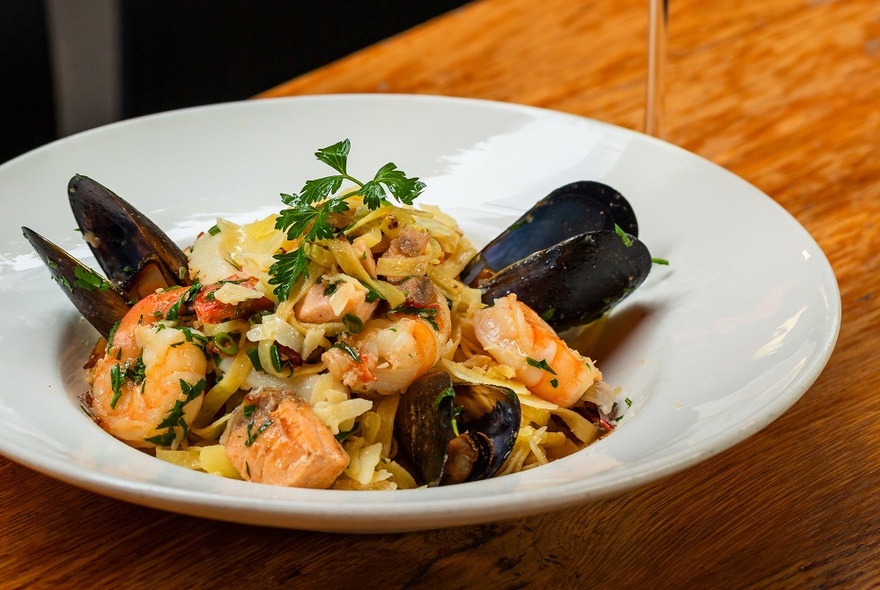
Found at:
[710, 349]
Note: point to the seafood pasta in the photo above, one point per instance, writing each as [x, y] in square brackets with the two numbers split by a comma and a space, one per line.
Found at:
[334, 345]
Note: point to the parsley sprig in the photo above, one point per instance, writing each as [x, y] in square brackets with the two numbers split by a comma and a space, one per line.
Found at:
[308, 213]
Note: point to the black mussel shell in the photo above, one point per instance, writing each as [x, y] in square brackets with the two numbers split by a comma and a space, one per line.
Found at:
[622, 214]
[575, 281]
[102, 303]
[131, 249]
[570, 210]
[487, 419]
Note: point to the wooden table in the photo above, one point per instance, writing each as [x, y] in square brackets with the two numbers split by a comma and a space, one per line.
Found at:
[786, 94]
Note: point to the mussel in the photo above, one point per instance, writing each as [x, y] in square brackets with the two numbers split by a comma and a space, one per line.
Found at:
[571, 257]
[453, 433]
[136, 256]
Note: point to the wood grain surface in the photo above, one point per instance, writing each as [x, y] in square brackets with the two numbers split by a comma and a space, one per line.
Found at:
[784, 93]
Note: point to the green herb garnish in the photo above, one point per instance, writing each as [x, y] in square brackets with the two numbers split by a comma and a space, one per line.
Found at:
[86, 279]
[252, 434]
[194, 337]
[426, 313]
[343, 434]
[344, 346]
[541, 364]
[275, 356]
[372, 294]
[179, 306]
[624, 237]
[353, 323]
[136, 372]
[254, 356]
[226, 343]
[308, 212]
[117, 378]
[448, 392]
[174, 419]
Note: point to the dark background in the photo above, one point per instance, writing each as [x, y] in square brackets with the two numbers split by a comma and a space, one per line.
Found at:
[179, 53]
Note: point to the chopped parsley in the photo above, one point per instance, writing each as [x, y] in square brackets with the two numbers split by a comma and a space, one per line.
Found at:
[541, 364]
[449, 393]
[188, 296]
[346, 347]
[136, 372]
[175, 418]
[372, 294]
[117, 378]
[194, 337]
[426, 313]
[353, 323]
[249, 411]
[88, 280]
[343, 434]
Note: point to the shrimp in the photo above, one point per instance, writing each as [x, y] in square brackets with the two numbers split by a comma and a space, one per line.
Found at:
[276, 438]
[148, 387]
[386, 356]
[514, 335]
[390, 353]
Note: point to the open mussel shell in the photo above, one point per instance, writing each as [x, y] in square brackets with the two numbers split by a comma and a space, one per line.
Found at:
[575, 281]
[486, 417]
[570, 210]
[131, 249]
[100, 302]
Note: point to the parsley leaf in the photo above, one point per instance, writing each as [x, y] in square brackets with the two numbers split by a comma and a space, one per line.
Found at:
[541, 364]
[336, 155]
[302, 219]
[320, 188]
[347, 348]
[88, 280]
[309, 212]
[426, 313]
[174, 420]
[402, 188]
[249, 411]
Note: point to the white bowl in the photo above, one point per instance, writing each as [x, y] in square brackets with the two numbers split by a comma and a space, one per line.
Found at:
[710, 349]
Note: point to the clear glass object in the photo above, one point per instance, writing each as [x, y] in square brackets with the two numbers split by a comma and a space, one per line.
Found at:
[655, 97]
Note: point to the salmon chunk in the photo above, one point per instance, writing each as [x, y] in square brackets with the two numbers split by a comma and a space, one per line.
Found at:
[275, 438]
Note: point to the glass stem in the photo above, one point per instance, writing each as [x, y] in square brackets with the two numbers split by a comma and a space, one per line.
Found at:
[655, 98]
